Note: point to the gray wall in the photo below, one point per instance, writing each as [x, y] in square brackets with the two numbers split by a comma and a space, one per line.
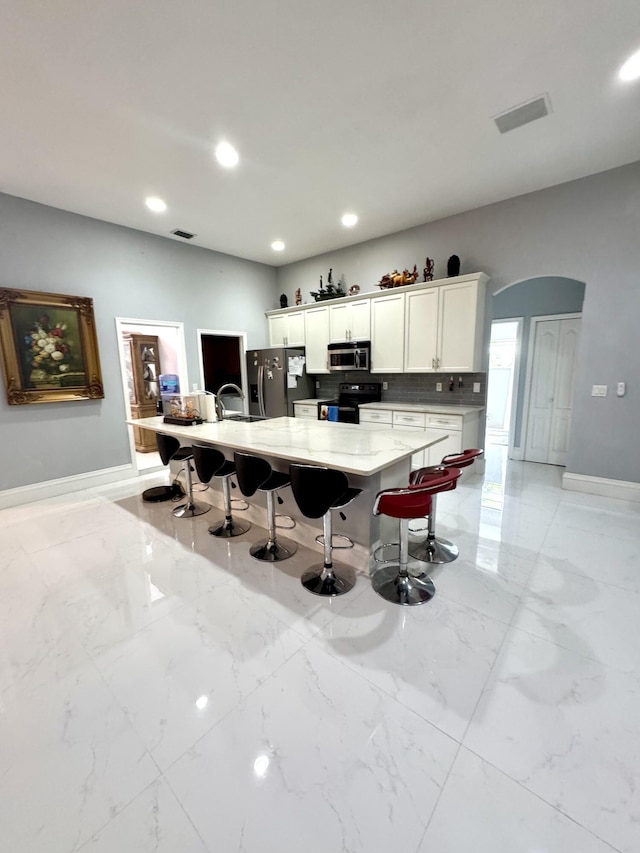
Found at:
[128, 274]
[535, 297]
[586, 230]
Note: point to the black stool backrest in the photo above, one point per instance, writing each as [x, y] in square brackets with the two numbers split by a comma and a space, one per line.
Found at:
[168, 446]
[316, 489]
[207, 460]
[251, 472]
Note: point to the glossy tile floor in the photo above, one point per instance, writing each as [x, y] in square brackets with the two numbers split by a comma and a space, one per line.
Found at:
[162, 691]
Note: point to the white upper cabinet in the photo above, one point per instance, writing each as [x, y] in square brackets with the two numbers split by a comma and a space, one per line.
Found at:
[421, 330]
[444, 328]
[461, 326]
[286, 330]
[350, 321]
[387, 333]
[317, 337]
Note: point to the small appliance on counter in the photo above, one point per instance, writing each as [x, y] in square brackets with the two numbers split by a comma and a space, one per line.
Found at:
[352, 395]
[182, 409]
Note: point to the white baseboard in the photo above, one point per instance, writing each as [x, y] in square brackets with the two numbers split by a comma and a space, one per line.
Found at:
[622, 489]
[516, 453]
[65, 485]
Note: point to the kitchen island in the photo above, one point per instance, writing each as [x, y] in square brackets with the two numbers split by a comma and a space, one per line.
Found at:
[373, 459]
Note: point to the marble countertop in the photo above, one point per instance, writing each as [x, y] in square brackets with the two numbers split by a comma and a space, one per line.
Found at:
[431, 408]
[311, 400]
[345, 447]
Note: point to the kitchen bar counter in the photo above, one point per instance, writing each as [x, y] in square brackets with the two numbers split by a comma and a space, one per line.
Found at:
[345, 447]
[373, 459]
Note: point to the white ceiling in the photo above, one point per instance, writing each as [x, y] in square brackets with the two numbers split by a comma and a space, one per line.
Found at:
[343, 105]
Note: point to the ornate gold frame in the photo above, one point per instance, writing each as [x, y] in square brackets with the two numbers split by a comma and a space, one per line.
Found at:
[19, 392]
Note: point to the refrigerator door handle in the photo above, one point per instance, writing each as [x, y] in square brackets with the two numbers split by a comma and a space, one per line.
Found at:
[261, 390]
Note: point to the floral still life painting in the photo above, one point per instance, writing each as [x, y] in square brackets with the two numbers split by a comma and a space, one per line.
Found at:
[49, 347]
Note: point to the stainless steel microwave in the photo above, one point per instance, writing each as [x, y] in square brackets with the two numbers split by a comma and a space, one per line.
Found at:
[350, 355]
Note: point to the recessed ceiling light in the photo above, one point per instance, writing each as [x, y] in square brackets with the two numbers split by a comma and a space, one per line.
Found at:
[277, 245]
[349, 220]
[156, 204]
[631, 69]
[227, 155]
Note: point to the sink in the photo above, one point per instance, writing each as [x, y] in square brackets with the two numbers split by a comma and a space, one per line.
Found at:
[245, 419]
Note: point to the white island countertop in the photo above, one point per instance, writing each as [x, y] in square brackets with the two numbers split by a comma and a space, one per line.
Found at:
[345, 447]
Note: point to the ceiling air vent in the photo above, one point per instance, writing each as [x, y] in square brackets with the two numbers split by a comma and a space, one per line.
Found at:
[516, 117]
[186, 235]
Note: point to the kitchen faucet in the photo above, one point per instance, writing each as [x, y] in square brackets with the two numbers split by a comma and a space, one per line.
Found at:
[220, 410]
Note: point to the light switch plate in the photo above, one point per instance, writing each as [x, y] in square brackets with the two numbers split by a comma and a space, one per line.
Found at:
[385, 386]
[476, 387]
[621, 389]
[598, 390]
[438, 386]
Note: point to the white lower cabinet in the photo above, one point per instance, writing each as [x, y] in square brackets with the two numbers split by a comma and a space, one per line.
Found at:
[461, 430]
[306, 410]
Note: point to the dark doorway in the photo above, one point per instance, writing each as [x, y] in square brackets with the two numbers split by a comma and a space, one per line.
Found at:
[221, 361]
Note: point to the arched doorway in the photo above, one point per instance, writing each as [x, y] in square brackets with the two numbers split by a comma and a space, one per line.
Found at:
[524, 303]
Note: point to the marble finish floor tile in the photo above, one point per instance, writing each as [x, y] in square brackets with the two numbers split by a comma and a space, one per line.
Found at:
[433, 659]
[70, 761]
[466, 817]
[324, 760]
[183, 674]
[568, 729]
[154, 822]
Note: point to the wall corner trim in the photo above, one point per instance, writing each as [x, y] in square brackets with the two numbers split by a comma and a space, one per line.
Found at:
[622, 489]
[65, 485]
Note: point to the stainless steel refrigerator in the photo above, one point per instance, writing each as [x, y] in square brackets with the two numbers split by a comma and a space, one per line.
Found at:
[277, 377]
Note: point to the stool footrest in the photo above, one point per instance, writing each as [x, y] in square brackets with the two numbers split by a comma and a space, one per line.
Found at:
[320, 541]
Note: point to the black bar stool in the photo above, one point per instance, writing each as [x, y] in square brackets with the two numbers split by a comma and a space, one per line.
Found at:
[255, 474]
[210, 462]
[394, 582]
[169, 449]
[434, 549]
[318, 491]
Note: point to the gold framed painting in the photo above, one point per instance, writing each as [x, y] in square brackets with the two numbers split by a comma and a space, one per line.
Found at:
[49, 347]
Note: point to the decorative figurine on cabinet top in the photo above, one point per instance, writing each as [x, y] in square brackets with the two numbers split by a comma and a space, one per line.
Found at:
[428, 269]
[453, 266]
[284, 302]
[298, 297]
[330, 292]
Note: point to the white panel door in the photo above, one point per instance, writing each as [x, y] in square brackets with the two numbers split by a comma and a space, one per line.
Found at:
[317, 339]
[387, 334]
[421, 331]
[563, 390]
[550, 395]
[457, 329]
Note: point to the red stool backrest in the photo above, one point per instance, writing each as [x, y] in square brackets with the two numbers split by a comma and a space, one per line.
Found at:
[461, 460]
[414, 501]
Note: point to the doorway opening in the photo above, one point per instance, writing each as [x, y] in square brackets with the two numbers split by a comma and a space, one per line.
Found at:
[222, 361]
[502, 388]
[147, 349]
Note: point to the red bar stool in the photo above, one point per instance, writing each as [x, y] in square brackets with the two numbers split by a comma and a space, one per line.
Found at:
[434, 549]
[393, 581]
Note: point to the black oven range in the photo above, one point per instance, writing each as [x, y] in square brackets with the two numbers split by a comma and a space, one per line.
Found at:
[351, 395]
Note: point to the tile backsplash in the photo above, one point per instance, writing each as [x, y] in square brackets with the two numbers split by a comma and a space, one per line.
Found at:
[412, 387]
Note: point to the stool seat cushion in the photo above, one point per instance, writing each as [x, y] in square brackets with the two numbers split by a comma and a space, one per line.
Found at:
[228, 468]
[183, 453]
[407, 506]
[277, 480]
[346, 498]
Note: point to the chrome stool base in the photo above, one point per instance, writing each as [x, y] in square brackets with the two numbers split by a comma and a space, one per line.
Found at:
[394, 586]
[227, 528]
[273, 550]
[433, 550]
[191, 509]
[321, 580]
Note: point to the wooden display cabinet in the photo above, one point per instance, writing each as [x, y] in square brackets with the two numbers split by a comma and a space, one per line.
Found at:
[142, 362]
